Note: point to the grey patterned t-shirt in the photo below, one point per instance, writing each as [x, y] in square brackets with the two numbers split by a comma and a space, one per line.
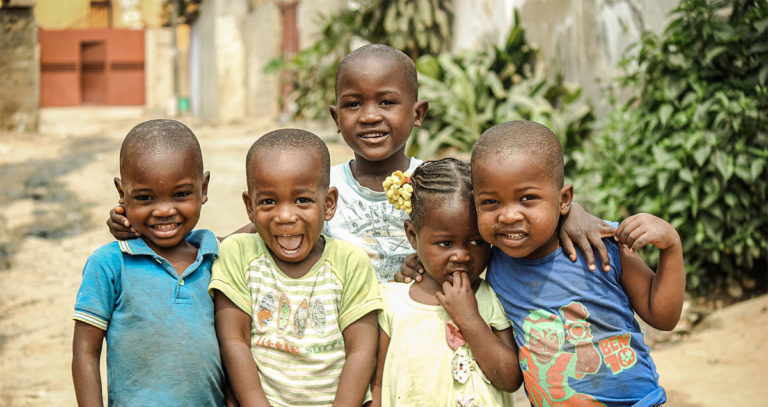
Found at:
[364, 217]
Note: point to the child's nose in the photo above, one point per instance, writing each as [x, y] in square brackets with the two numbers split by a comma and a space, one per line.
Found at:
[460, 255]
[164, 210]
[510, 215]
[285, 214]
[370, 114]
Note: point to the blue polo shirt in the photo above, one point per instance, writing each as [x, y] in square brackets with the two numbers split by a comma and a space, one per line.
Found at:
[161, 341]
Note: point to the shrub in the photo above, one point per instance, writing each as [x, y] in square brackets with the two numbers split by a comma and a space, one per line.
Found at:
[692, 146]
[414, 27]
[474, 91]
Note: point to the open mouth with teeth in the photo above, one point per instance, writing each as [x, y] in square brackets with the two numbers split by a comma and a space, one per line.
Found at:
[514, 236]
[166, 228]
[289, 244]
[372, 136]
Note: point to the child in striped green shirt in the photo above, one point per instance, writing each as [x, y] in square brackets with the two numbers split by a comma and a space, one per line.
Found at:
[295, 310]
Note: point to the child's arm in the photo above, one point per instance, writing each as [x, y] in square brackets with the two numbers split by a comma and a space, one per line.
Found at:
[495, 351]
[86, 351]
[378, 378]
[360, 341]
[233, 329]
[657, 298]
[587, 231]
[121, 228]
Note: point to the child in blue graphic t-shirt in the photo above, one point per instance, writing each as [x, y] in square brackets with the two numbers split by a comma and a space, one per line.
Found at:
[578, 340]
[148, 296]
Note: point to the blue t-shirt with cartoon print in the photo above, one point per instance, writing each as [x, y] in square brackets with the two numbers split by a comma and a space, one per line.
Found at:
[578, 338]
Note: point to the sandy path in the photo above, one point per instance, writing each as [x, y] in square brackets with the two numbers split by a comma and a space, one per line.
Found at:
[718, 365]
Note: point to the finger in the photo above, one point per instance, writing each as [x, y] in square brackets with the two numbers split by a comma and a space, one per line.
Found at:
[586, 250]
[602, 251]
[640, 242]
[119, 209]
[567, 244]
[606, 230]
[629, 226]
[447, 287]
[458, 281]
[420, 270]
[464, 279]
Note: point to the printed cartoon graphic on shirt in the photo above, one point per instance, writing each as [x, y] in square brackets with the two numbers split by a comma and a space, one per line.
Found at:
[371, 220]
[266, 309]
[310, 314]
[547, 368]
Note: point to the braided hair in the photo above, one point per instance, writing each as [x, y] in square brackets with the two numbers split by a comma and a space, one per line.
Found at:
[445, 179]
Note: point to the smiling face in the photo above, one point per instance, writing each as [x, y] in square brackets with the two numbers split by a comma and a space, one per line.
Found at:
[288, 202]
[376, 108]
[519, 204]
[445, 247]
[163, 192]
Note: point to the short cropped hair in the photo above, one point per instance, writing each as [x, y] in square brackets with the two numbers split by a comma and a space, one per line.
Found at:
[522, 136]
[293, 140]
[380, 51]
[447, 180]
[160, 136]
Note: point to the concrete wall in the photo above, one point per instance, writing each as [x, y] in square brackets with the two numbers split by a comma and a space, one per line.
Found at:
[311, 14]
[19, 69]
[586, 38]
[158, 71]
[218, 59]
[262, 37]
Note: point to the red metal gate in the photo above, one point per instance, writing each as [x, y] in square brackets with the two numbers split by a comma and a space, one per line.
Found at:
[95, 66]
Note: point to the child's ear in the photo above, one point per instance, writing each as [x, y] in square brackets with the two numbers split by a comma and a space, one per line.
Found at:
[410, 232]
[248, 206]
[335, 115]
[331, 197]
[206, 178]
[420, 108]
[566, 197]
[119, 186]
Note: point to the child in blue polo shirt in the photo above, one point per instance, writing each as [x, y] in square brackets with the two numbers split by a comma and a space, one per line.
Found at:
[149, 295]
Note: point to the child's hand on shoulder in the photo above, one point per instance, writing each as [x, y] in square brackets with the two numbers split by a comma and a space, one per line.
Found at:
[119, 226]
[410, 270]
[643, 229]
[458, 299]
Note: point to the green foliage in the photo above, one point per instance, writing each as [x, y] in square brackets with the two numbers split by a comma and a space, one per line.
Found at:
[471, 92]
[692, 146]
[414, 27]
[183, 11]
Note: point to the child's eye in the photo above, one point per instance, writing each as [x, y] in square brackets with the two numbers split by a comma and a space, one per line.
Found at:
[489, 202]
[267, 202]
[528, 197]
[142, 198]
[303, 200]
[182, 194]
[351, 104]
[445, 243]
[477, 242]
[389, 102]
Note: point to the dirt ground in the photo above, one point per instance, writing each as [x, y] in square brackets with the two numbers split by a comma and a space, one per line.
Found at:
[56, 190]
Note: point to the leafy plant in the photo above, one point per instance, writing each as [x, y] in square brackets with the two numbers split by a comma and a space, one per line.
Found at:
[183, 11]
[414, 27]
[471, 92]
[692, 146]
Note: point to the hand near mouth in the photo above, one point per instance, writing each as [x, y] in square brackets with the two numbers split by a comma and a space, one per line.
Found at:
[458, 299]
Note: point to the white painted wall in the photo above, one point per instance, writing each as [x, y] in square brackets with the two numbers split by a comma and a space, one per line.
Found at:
[586, 38]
